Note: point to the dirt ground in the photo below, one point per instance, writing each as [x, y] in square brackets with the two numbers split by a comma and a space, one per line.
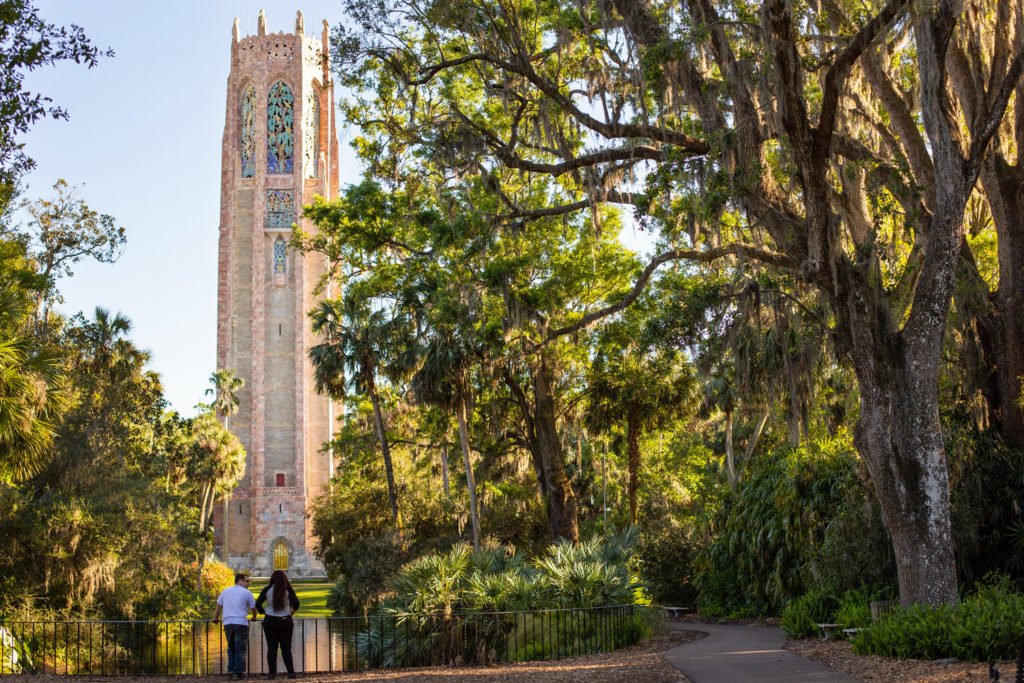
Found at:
[839, 655]
[643, 662]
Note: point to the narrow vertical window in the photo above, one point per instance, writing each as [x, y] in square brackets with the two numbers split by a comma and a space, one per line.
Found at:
[311, 135]
[280, 129]
[280, 257]
[247, 143]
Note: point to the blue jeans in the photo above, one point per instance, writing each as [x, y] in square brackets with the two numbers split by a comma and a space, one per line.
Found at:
[238, 647]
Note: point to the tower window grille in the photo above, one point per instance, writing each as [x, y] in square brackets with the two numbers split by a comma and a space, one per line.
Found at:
[280, 129]
[280, 257]
[280, 210]
[248, 132]
[312, 133]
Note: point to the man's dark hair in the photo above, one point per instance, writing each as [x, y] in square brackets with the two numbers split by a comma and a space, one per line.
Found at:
[241, 577]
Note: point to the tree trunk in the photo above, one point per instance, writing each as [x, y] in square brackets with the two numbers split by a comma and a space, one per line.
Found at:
[200, 562]
[444, 469]
[559, 494]
[756, 436]
[899, 437]
[470, 479]
[227, 501]
[633, 446]
[1002, 184]
[203, 502]
[730, 458]
[382, 438]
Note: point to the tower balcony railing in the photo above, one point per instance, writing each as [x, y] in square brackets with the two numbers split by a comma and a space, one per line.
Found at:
[323, 645]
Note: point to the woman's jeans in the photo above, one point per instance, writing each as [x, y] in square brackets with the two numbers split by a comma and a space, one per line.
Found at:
[238, 647]
[278, 631]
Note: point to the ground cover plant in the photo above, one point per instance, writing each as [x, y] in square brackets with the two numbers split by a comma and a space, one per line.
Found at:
[985, 626]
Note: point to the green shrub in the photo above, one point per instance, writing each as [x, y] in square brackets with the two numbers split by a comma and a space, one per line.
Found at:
[665, 557]
[442, 605]
[855, 607]
[762, 541]
[855, 551]
[801, 616]
[986, 626]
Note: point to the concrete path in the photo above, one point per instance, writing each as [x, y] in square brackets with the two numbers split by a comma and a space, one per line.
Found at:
[740, 654]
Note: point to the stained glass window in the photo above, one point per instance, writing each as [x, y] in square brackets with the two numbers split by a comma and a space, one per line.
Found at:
[280, 257]
[312, 133]
[280, 129]
[280, 210]
[248, 133]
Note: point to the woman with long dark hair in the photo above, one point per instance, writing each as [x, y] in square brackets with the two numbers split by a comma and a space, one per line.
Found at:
[277, 620]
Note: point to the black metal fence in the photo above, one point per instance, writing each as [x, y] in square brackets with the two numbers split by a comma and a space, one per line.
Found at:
[122, 648]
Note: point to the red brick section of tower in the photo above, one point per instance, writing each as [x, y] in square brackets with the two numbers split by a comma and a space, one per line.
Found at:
[280, 149]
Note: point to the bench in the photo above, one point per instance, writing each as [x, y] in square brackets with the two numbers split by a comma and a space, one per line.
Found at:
[674, 612]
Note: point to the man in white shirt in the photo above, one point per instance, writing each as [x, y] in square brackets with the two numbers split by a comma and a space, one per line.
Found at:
[235, 603]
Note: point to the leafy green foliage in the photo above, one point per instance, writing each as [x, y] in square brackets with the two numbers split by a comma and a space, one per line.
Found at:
[27, 42]
[986, 626]
[801, 616]
[765, 539]
[665, 557]
[457, 602]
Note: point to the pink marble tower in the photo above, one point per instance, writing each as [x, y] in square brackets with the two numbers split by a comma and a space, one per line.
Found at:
[280, 149]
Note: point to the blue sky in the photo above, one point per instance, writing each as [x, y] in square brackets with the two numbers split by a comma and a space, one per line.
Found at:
[144, 145]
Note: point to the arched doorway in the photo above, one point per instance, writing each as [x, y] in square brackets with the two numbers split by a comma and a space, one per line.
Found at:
[280, 555]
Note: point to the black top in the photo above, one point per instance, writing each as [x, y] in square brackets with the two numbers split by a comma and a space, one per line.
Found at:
[293, 599]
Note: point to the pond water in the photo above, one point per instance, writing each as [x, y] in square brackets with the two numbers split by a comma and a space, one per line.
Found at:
[318, 645]
[168, 647]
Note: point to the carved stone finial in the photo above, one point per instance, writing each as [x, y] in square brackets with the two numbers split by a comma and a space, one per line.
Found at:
[300, 23]
[261, 24]
[234, 31]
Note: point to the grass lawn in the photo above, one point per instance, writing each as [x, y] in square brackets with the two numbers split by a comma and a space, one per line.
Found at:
[312, 597]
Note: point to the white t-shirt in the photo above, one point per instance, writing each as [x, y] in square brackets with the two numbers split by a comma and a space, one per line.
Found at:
[236, 602]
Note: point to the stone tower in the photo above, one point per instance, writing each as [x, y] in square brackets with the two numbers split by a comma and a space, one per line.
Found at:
[280, 149]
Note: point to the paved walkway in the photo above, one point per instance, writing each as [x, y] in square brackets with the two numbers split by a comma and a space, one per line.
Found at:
[741, 654]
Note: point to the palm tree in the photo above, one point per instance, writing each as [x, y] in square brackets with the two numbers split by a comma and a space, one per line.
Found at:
[216, 465]
[224, 387]
[642, 384]
[32, 395]
[442, 380]
[107, 336]
[358, 341]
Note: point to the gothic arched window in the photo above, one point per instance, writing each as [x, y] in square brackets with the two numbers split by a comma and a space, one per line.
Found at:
[280, 256]
[280, 556]
[280, 129]
[312, 133]
[247, 118]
